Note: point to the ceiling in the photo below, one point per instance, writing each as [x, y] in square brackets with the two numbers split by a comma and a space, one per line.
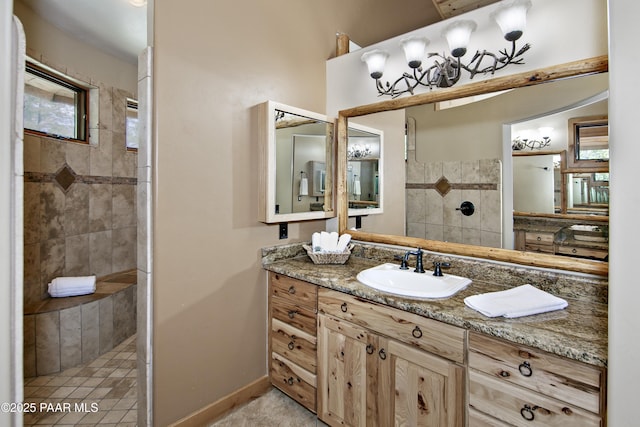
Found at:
[118, 28]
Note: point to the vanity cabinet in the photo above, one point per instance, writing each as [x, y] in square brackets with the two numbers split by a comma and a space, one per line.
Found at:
[539, 242]
[378, 365]
[293, 338]
[523, 386]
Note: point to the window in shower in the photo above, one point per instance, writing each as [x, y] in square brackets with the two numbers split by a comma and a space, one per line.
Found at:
[54, 105]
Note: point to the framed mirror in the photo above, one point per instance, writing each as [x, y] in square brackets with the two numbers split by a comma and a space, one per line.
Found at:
[589, 144]
[364, 170]
[296, 164]
[526, 79]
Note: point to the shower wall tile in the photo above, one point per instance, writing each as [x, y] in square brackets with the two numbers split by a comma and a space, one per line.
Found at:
[77, 255]
[452, 233]
[491, 171]
[415, 170]
[143, 214]
[434, 232]
[31, 146]
[106, 325]
[52, 155]
[101, 163]
[435, 208]
[76, 210]
[491, 239]
[451, 216]
[100, 207]
[123, 315]
[491, 215]
[77, 156]
[124, 206]
[470, 171]
[90, 331]
[29, 340]
[32, 212]
[452, 170]
[70, 337]
[52, 202]
[52, 262]
[417, 230]
[31, 274]
[471, 236]
[106, 107]
[124, 248]
[416, 206]
[123, 166]
[472, 221]
[100, 245]
[119, 108]
[433, 171]
[48, 343]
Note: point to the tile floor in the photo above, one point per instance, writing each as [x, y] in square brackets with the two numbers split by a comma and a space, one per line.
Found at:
[272, 409]
[100, 393]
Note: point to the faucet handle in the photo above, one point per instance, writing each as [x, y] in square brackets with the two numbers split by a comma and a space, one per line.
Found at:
[403, 261]
[437, 271]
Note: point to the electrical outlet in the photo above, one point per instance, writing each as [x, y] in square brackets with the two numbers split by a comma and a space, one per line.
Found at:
[283, 230]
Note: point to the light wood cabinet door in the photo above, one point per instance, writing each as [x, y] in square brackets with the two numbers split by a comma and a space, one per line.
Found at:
[425, 390]
[346, 373]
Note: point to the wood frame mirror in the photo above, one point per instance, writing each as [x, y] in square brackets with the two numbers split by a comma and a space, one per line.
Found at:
[543, 75]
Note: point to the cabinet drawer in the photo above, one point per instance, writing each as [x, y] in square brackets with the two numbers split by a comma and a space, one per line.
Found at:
[299, 384]
[583, 252]
[299, 317]
[539, 238]
[521, 407]
[570, 381]
[293, 290]
[293, 344]
[430, 335]
[530, 247]
[479, 419]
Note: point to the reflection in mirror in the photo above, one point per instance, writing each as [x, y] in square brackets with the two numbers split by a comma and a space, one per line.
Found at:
[589, 143]
[458, 152]
[364, 170]
[296, 167]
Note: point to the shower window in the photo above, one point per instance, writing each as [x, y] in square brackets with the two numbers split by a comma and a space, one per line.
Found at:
[132, 125]
[54, 105]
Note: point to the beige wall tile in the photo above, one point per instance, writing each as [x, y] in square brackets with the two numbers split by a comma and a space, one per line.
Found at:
[90, 331]
[70, 337]
[100, 207]
[77, 255]
[434, 232]
[106, 324]
[118, 109]
[416, 230]
[471, 236]
[52, 207]
[470, 172]
[52, 155]
[472, 221]
[101, 156]
[106, 107]
[78, 157]
[32, 291]
[52, 262]
[434, 208]
[32, 212]
[124, 248]
[29, 339]
[123, 315]
[416, 206]
[433, 171]
[100, 257]
[76, 210]
[31, 153]
[47, 343]
[415, 171]
[491, 214]
[124, 205]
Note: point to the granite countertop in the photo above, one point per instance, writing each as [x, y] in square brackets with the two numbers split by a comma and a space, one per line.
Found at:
[578, 332]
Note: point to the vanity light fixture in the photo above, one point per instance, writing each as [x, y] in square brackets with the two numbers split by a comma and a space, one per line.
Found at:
[357, 151]
[523, 141]
[138, 3]
[446, 70]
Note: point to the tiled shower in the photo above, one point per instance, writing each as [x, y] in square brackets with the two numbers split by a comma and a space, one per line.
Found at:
[79, 219]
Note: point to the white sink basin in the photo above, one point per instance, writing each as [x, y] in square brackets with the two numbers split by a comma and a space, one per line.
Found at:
[389, 278]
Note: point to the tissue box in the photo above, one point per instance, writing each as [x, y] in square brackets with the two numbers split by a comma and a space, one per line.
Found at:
[328, 257]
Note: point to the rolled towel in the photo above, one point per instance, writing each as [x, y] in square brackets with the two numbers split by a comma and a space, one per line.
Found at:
[72, 286]
[304, 187]
[315, 242]
[343, 242]
[524, 300]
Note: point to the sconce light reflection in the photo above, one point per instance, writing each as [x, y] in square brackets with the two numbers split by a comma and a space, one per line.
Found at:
[446, 70]
[528, 139]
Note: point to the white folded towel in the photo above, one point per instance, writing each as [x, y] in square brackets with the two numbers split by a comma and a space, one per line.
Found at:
[329, 242]
[72, 286]
[304, 187]
[524, 300]
[315, 242]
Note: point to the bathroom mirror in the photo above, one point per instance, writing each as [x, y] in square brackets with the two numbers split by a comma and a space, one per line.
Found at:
[296, 152]
[533, 78]
[364, 170]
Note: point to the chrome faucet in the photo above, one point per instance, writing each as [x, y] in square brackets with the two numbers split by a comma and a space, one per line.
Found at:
[419, 267]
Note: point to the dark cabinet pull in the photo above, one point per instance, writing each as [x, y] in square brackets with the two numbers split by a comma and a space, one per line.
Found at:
[417, 332]
[343, 307]
[382, 354]
[292, 289]
[527, 412]
[291, 345]
[370, 349]
[525, 369]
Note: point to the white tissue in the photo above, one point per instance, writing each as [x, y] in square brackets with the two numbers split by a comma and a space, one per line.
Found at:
[524, 300]
[72, 286]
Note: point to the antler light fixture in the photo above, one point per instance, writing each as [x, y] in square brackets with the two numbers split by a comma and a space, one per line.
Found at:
[446, 70]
